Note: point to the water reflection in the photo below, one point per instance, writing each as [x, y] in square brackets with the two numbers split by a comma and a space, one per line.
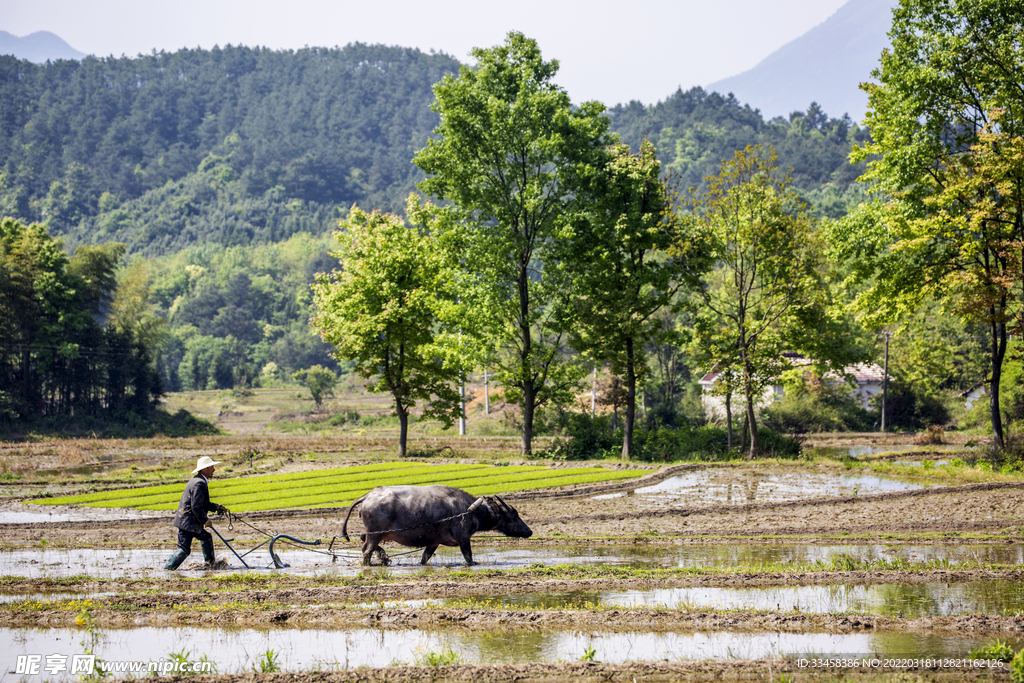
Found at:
[893, 600]
[23, 513]
[238, 651]
[861, 450]
[111, 563]
[731, 487]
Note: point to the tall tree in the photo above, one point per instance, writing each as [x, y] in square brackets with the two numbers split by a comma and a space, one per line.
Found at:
[512, 154]
[762, 247]
[622, 276]
[947, 118]
[383, 309]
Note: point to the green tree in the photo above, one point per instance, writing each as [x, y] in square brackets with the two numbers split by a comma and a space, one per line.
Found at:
[384, 310]
[946, 118]
[621, 274]
[763, 247]
[512, 154]
[320, 381]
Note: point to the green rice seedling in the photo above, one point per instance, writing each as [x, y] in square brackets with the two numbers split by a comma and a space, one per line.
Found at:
[268, 663]
[998, 650]
[338, 486]
[154, 495]
[479, 487]
[242, 482]
[275, 498]
[446, 657]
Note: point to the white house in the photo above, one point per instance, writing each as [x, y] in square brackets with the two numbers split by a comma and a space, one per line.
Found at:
[974, 394]
[868, 378]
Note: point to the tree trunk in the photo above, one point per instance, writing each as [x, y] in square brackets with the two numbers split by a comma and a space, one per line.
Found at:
[525, 352]
[998, 330]
[748, 391]
[403, 427]
[529, 396]
[728, 418]
[627, 432]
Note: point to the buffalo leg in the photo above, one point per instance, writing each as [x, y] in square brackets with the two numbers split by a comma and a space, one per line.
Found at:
[428, 552]
[369, 545]
[467, 552]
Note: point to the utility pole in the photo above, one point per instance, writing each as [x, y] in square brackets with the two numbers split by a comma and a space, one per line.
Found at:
[885, 377]
[462, 403]
[593, 394]
[487, 395]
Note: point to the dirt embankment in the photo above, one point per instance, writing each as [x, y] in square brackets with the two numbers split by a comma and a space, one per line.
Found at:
[303, 590]
[735, 671]
[127, 615]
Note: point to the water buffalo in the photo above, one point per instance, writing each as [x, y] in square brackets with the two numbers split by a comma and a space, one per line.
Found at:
[429, 516]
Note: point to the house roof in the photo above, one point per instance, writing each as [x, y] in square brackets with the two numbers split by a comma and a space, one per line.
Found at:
[979, 385]
[863, 373]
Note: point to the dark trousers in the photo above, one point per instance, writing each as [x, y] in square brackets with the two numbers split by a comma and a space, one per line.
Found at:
[185, 539]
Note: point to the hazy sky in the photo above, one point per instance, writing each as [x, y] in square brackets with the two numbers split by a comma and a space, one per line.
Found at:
[609, 51]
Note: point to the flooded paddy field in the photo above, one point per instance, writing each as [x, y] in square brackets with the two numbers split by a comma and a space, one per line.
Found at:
[235, 651]
[684, 577]
[724, 486]
[141, 562]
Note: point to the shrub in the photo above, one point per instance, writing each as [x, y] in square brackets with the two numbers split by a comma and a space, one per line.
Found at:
[582, 437]
[815, 406]
[1017, 668]
[682, 443]
[1010, 458]
[909, 408]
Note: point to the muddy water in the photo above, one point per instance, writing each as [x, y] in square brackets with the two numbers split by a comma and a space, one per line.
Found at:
[718, 486]
[108, 463]
[103, 563]
[861, 450]
[893, 600]
[240, 651]
[27, 513]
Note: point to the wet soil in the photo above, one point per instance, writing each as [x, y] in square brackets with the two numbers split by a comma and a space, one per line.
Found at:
[127, 612]
[988, 512]
[630, 672]
[995, 508]
[282, 588]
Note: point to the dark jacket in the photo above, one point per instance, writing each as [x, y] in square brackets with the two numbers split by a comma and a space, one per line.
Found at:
[194, 504]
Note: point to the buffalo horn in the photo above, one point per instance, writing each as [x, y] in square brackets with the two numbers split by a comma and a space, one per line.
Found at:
[503, 503]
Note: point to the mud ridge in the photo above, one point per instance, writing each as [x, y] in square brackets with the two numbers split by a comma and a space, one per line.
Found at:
[176, 592]
[800, 502]
[735, 671]
[480, 619]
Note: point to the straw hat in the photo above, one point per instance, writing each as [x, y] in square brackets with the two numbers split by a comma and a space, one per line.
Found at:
[203, 463]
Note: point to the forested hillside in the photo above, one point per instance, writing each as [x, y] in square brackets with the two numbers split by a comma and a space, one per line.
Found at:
[246, 145]
[227, 169]
[695, 130]
[232, 145]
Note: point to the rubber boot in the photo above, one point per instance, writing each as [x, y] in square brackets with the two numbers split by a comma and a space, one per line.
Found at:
[210, 561]
[208, 557]
[176, 559]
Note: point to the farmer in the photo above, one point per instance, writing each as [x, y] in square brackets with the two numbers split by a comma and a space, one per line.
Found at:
[191, 515]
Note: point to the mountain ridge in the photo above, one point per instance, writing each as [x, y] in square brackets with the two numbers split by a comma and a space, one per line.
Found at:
[825, 65]
[38, 47]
